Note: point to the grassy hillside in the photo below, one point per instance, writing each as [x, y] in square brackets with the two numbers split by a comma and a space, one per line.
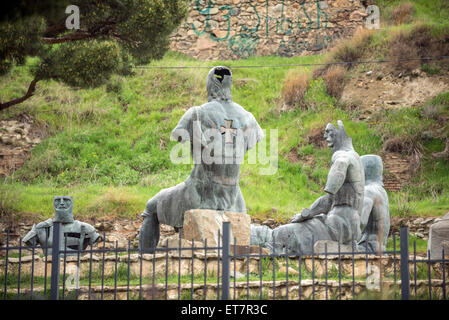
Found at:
[109, 147]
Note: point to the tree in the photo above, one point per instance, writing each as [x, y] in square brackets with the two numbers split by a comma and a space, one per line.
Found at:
[113, 36]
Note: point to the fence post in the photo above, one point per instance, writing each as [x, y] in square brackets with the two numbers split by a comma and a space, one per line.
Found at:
[54, 289]
[225, 261]
[405, 275]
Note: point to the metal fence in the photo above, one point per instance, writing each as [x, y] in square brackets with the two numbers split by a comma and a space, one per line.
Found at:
[224, 271]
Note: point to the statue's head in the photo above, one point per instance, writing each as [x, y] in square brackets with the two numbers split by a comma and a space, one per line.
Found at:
[337, 138]
[218, 83]
[372, 164]
[63, 209]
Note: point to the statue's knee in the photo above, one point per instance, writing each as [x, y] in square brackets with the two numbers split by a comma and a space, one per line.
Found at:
[150, 207]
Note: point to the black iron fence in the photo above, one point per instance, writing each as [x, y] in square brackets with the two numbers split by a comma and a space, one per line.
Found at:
[222, 271]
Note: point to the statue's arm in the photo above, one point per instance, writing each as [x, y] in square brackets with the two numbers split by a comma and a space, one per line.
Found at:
[91, 233]
[321, 205]
[30, 238]
[183, 131]
[337, 175]
[253, 132]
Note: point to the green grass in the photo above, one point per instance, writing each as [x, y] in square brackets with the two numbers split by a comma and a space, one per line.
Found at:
[425, 11]
[109, 159]
[109, 147]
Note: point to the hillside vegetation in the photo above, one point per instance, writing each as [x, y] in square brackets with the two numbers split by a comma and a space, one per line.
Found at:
[109, 147]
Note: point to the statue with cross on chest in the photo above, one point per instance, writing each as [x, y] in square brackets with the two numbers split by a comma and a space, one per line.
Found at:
[219, 132]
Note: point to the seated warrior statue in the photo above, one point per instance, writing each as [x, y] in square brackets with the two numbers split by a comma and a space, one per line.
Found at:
[334, 216]
[375, 219]
[220, 124]
[75, 235]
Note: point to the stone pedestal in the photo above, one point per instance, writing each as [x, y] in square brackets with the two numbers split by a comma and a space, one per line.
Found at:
[439, 238]
[201, 224]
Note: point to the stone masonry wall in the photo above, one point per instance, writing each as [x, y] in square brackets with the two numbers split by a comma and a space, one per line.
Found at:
[175, 264]
[236, 29]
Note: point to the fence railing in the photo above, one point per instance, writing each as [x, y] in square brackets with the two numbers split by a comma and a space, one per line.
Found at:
[225, 271]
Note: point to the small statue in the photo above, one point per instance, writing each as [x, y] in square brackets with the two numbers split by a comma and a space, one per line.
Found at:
[336, 215]
[214, 180]
[375, 219]
[75, 235]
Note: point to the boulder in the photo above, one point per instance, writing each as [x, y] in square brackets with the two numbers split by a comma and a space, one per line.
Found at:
[202, 224]
[438, 238]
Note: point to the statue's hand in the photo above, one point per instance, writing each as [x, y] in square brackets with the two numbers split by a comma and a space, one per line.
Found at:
[296, 218]
[300, 217]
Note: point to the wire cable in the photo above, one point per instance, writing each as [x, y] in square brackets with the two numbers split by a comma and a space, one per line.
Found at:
[298, 65]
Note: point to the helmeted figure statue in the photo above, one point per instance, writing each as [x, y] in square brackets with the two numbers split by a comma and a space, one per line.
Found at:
[75, 235]
[219, 133]
[334, 216]
[375, 218]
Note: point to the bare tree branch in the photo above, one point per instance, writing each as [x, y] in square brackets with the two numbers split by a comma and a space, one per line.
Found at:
[70, 37]
[30, 92]
[443, 154]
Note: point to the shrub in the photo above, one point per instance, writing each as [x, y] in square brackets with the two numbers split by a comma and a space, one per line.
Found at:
[334, 79]
[402, 14]
[403, 52]
[418, 43]
[431, 69]
[295, 86]
[346, 50]
[403, 144]
[352, 49]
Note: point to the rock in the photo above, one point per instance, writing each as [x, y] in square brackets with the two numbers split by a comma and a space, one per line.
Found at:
[269, 223]
[357, 15]
[238, 275]
[292, 271]
[428, 220]
[240, 227]
[439, 235]
[419, 235]
[104, 226]
[173, 242]
[416, 73]
[213, 10]
[205, 43]
[200, 224]
[332, 247]
[369, 73]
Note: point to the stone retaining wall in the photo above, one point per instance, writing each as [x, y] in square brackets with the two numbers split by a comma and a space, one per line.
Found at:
[182, 264]
[252, 289]
[235, 29]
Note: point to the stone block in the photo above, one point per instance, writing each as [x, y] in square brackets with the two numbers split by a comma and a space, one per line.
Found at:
[201, 224]
[332, 247]
[439, 238]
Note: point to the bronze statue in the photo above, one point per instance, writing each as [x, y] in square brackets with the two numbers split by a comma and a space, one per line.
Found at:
[76, 235]
[219, 132]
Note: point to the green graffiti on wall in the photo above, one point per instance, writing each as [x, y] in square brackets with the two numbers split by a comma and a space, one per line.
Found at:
[245, 43]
